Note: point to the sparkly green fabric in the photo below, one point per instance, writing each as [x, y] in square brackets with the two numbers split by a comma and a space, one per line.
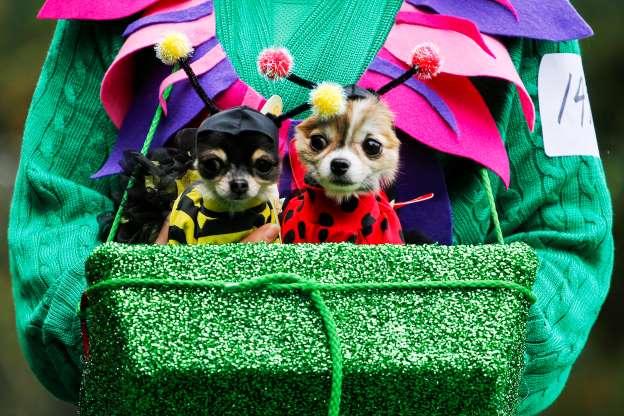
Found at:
[208, 351]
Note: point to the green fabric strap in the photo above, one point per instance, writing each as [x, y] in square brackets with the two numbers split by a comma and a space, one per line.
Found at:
[485, 177]
[292, 282]
[146, 145]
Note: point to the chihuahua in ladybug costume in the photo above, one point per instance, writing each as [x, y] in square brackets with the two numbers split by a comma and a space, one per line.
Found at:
[348, 160]
[344, 156]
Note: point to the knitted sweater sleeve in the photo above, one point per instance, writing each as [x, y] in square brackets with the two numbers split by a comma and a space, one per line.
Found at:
[52, 225]
[560, 206]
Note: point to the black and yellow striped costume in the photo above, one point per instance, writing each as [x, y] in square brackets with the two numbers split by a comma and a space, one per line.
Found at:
[198, 220]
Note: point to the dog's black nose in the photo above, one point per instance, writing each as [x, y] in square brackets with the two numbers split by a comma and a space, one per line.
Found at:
[339, 166]
[239, 186]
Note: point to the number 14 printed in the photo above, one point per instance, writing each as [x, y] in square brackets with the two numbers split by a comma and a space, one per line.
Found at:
[565, 111]
[579, 97]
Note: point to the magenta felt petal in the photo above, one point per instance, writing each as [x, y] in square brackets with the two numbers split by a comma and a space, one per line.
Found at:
[92, 9]
[461, 56]
[395, 70]
[479, 138]
[117, 91]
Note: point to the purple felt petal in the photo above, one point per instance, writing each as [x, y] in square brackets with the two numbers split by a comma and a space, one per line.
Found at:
[136, 124]
[554, 20]
[186, 15]
[386, 68]
[420, 174]
[439, 21]
[286, 183]
[185, 106]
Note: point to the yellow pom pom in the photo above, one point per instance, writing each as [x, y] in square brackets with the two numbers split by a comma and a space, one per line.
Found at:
[173, 47]
[328, 99]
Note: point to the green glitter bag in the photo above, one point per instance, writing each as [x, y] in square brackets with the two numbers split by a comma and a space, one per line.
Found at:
[299, 329]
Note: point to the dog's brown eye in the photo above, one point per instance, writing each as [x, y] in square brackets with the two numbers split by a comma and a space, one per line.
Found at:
[372, 147]
[318, 142]
[209, 168]
[263, 165]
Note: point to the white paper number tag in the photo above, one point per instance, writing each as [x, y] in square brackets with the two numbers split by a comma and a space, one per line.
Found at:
[567, 123]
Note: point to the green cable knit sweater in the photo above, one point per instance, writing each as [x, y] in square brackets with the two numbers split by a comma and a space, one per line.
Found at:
[560, 206]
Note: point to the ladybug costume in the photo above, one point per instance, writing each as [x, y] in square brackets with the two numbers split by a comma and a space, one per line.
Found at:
[310, 216]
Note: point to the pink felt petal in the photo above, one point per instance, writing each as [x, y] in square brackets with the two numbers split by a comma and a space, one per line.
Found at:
[117, 91]
[253, 99]
[461, 56]
[200, 66]
[479, 137]
[439, 21]
[92, 9]
[232, 96]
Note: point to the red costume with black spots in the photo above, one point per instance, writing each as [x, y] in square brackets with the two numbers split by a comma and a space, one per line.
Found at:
[312, 217]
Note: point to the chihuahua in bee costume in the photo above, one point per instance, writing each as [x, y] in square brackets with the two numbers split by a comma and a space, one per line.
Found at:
[237, 161]
[216, 183]
[238, 164]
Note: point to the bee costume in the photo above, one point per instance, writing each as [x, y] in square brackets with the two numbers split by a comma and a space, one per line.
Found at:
[197, 219]
[559, 206]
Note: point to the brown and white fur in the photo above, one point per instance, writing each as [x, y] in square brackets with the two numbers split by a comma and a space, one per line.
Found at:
[339, 152]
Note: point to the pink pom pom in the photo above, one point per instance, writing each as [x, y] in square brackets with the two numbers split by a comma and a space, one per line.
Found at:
[275, 63]
[426, 58]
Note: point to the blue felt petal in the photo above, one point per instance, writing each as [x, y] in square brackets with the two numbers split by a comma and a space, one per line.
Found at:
[554, 20]
[178, 16]
[420, 173]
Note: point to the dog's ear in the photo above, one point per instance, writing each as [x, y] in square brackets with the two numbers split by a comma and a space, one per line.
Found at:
[185, 139]
[274, 106]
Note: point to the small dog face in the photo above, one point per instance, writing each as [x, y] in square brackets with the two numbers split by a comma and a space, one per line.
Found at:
[351, 154]
[238, 171]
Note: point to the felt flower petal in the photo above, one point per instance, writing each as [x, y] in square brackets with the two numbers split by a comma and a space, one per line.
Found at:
[92, 9]
[200, 66]
[439, 21]
[479, 138]
[421, 174]
[507, 4]
[554, 20]
[184, 107]
[166, 6]
[462, 56]
[177, 16]
[393, 71]
[117, 90]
